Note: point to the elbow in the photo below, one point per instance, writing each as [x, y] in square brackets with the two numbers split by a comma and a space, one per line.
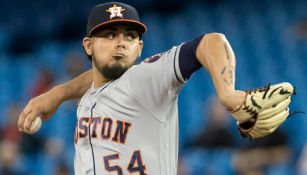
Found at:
[207, 42]
[213, 37]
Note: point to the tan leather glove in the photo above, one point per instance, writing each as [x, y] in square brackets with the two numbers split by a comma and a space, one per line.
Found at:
[264, 110]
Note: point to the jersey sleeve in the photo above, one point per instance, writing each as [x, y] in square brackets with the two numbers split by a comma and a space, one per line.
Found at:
[188, 62]
[156, 82]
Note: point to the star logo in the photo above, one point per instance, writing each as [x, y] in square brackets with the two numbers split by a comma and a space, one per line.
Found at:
[115, 11]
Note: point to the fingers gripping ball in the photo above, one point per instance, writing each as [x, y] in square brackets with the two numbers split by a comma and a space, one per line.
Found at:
[36, 125]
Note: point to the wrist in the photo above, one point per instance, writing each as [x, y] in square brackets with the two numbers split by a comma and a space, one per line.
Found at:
[232, 100]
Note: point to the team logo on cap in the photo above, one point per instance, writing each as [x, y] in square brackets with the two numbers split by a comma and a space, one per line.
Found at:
[115, 11]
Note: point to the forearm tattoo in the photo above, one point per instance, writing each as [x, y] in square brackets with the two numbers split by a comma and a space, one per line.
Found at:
[230, 71]
[227, 82]
[223, 70]
[231, 76]
[227, 54]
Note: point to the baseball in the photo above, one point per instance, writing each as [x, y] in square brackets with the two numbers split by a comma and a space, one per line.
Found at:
[36, 125]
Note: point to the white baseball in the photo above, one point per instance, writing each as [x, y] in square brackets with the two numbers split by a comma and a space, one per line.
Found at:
[36, 125]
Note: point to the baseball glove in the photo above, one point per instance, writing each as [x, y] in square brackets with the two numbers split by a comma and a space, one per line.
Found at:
[264, 110]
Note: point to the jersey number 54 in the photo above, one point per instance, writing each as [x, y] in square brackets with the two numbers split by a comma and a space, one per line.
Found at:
[135, 166]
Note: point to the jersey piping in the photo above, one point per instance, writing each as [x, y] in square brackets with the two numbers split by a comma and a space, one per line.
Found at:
[89, 131]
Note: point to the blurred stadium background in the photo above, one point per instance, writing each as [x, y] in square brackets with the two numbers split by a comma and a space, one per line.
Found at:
[40, 46]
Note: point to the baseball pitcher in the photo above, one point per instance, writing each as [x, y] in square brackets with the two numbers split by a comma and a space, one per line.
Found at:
[128, 116]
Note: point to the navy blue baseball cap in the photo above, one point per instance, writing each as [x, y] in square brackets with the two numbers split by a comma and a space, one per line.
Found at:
[106, 14]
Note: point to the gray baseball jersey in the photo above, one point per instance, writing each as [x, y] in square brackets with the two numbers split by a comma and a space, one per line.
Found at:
[130, 125]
